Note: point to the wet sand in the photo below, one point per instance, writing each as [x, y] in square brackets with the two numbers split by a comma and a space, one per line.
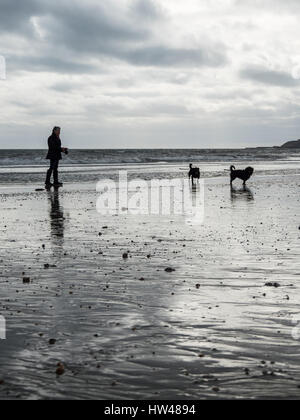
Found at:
[127, 329]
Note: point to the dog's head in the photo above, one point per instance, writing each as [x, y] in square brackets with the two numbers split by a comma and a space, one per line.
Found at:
[249, 171]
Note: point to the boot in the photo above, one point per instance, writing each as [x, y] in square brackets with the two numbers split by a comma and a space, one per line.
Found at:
[56, 182]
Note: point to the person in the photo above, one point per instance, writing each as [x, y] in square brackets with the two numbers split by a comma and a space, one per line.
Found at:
[54, 155]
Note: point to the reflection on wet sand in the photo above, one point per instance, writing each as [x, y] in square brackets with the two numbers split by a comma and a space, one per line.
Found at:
[241, 193]
[57, 219]
[129, 329]
[194, 189]
[195, 207]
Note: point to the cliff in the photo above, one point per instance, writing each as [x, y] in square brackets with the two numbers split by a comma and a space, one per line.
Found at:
[291, 145]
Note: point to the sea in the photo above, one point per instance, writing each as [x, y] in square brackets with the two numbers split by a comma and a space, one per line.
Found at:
[29, 166]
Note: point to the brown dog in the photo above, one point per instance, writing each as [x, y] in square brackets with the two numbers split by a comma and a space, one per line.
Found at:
[243, 175]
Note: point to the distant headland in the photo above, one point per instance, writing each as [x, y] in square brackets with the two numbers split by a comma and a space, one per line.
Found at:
[291, 145]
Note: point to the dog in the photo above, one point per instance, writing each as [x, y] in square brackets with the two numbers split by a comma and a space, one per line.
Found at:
[243, 175]
[194, 173]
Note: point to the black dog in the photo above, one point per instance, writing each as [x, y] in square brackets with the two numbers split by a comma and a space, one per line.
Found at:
[243, 175]
[194, 173]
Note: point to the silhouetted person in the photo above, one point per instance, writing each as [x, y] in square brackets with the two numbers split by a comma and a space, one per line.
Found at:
[54, 155]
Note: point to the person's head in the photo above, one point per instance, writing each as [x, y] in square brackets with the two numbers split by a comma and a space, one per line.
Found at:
[56, 131]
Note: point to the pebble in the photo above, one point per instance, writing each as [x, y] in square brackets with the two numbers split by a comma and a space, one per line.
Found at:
[169, 270]
[60, 369]
[270, 284]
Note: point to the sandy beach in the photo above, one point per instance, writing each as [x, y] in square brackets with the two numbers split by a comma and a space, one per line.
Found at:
[124, 328]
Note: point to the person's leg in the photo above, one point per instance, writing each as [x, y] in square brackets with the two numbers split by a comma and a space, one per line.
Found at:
[49, 173]
[55, 171]
[55, 174]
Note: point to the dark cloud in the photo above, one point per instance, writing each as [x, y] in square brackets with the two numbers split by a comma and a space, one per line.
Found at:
[91, 30]
[101, 34]
[15, 14]
[269, 77]
[66, 86]
[75, 34]
[167, 56]
[49, 64]
[167, 45]
[148, 10]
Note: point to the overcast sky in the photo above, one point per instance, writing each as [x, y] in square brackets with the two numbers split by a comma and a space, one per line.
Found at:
[150, 73]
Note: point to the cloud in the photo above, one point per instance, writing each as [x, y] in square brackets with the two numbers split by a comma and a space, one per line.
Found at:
[104, 66]
[94, 30]
[15, 15]
[102, 34]
[182, 57]
[66, 86]
[269, 77]
[148, 9]
[49, 64]
[269, 6]
[74, 35]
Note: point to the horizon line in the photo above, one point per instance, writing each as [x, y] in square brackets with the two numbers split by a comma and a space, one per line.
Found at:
[152, 148]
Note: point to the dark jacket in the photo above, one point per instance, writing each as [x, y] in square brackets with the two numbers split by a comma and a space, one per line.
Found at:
[54, 145]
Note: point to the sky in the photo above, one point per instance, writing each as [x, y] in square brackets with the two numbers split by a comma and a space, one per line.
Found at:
[150, 73]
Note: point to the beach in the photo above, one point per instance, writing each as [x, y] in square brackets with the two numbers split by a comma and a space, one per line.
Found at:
[220, 322]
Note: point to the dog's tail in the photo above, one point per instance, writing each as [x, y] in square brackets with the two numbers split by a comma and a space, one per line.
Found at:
[232, 168]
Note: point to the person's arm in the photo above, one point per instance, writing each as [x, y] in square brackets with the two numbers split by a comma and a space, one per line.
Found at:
[62, 149]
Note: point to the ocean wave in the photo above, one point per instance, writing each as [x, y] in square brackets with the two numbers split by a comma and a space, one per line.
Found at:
[10, 158]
